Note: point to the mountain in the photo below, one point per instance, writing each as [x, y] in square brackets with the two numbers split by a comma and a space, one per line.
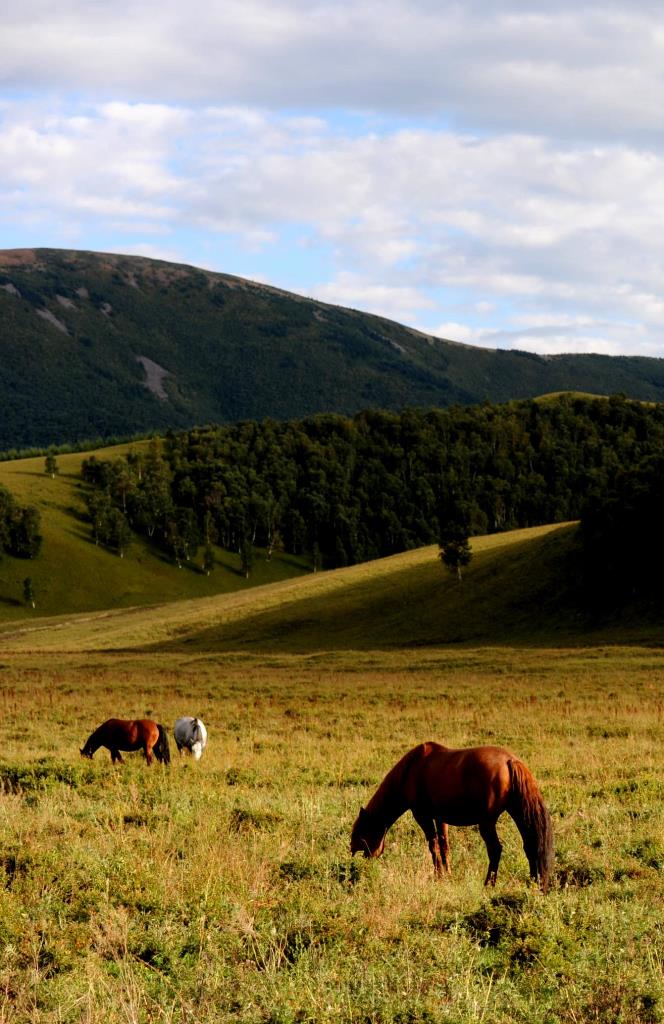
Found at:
[97, 345]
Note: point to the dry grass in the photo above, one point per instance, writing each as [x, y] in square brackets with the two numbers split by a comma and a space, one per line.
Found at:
[224, 891]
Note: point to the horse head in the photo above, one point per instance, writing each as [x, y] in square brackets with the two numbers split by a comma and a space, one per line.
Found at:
[85, 752]
[368, 835]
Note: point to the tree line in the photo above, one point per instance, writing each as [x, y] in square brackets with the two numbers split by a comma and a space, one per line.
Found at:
[344, 490]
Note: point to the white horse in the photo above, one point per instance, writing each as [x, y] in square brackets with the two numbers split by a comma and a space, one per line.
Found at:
[190, 734]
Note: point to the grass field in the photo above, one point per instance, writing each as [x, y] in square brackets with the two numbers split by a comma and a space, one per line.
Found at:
[224, 891]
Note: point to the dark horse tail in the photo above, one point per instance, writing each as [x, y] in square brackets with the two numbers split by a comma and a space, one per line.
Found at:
[533, 821]
[161, 749]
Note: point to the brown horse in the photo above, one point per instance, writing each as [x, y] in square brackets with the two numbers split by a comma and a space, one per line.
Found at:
[136, 734]
[459, 787]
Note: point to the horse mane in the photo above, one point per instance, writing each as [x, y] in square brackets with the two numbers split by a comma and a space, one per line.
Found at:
[535, 816]
[389, 795]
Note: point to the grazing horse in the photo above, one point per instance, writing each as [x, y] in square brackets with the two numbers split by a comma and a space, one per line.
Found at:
[190, 734]
[471, 786]
[138, 734]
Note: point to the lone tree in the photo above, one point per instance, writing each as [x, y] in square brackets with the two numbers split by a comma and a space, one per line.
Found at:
[28, 592]
[455, 554]
[453, 541]
[50, 465]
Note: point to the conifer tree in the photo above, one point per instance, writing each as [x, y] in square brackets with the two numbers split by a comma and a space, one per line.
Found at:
[28, 592]
[246, 556]
[208, 559]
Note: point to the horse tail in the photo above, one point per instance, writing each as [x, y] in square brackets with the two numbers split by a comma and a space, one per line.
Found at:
[533, 820]
[162, 751]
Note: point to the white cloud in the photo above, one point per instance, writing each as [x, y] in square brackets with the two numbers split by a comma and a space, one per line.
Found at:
[106, 163]
[155, 252]
[495, 171]
[396, 302]
[551, 334]
[410, 216]
[563, 343]
[451, 330]
[575, 70]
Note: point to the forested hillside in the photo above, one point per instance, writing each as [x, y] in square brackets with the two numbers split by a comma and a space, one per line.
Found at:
[98, 346]
[244, 505]
[343, 490]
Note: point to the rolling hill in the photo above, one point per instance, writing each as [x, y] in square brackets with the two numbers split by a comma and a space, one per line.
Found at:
[515, 593]
[98, 346]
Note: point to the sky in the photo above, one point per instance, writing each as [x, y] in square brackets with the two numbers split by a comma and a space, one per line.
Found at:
[490, 172]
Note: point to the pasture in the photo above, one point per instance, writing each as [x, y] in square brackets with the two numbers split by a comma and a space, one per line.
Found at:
[223, 890]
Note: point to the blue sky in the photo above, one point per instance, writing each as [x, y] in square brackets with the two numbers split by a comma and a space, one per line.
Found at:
[491, 173]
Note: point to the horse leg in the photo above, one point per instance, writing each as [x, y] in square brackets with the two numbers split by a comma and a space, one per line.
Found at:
[148, 753]
[444, 844]
[428, 826]
[116, 756]
[494, 848]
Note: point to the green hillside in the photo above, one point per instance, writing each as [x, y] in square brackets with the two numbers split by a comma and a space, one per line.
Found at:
[97, 345]
[71, 574]
[410, 600]
[515, 592]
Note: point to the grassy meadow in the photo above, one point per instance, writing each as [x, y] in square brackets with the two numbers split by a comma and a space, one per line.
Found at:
[224, 890]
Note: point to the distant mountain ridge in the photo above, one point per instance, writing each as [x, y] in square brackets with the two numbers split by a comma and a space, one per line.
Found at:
[100, 345]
